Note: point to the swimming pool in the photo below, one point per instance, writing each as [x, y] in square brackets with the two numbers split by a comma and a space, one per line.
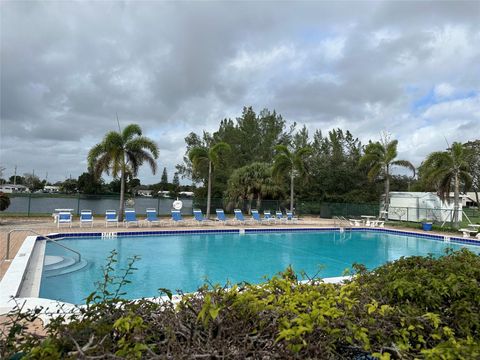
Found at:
[184, 261]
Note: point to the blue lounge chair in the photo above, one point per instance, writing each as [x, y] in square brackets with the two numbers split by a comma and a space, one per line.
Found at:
[86, 217]
[268, 217]
[199, 218]
[152, 217]
[177, 217]
[64, 217]
[111, 217]
[130, 217]
[256, 217]
[291, 218]
[221, 218]
[279, 218]
[239, 217]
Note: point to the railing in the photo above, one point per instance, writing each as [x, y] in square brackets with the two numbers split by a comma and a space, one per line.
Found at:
[341, 221]
[7, 256]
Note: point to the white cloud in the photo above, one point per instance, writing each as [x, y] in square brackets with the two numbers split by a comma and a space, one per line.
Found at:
[68, 67]
[444, 90]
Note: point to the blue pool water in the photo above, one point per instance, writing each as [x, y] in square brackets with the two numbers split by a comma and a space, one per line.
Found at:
[185, 261]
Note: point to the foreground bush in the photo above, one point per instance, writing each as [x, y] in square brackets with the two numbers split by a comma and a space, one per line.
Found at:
[416, 307]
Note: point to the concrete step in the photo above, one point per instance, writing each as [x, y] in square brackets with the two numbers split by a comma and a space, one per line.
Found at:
[61, 265]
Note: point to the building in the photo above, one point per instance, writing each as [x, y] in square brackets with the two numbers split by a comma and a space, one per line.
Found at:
[418, 206]
[144, 192]
[10, 188]
[469, 199]
[51, 189]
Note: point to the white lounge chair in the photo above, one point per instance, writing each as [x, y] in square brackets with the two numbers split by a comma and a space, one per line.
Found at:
[468, 232]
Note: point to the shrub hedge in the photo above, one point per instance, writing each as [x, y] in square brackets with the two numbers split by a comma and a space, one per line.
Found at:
[415, 307]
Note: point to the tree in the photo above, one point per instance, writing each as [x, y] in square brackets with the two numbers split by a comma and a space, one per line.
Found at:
[379, 158]
[447, 169]
[291, 162]
[69, 186]
[122, 152]
[252, 181]
[88, 183]
[4, 201]
[202, 157]
[17, 180]
[32, 181]
[164, 180]
[175, 186]
[473, 160]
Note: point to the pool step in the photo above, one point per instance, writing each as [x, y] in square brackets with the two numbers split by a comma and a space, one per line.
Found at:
[61, 265]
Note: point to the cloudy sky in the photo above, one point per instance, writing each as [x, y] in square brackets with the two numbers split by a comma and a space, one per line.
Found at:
[410, 68]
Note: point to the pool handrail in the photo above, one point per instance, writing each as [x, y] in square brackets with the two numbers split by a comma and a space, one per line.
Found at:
[7, 255]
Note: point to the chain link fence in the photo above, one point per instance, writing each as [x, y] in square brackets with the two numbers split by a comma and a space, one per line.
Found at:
[45, 204]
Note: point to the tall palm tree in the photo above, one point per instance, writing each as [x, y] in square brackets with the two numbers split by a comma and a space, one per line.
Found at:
[379, 157]
[448, 169]
[291, 162]
[201, 157]
[123, 152]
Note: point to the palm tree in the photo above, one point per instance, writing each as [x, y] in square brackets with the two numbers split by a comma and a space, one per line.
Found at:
[252, 181]
[379, 157]
[446, 169]
[120, 153]
[291, 162]
[202, 157]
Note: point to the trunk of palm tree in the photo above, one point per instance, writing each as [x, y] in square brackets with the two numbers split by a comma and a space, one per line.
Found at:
[476, 196]
[456, 198]
[122, 194]
[209, 187]
[387, 191]
[259, 201]
[291, 191]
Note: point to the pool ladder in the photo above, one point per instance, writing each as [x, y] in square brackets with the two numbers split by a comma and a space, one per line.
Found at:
[7, 255]
[341, 222]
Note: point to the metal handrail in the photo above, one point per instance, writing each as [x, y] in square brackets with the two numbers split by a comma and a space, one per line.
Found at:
[341, 219]
[7, 256]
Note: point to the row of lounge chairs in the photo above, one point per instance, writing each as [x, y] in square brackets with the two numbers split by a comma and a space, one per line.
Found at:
[111, 218]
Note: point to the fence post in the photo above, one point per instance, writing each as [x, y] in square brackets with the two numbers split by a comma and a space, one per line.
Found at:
[158, 205]
[78, 204]
[29, 200]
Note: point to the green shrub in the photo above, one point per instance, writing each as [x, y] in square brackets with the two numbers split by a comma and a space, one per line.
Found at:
[4, 201]
[415, 307]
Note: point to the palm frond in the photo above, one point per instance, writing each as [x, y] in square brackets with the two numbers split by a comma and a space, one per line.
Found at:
[130, 131]
[405, 164]
[374, 171]
[142, 142]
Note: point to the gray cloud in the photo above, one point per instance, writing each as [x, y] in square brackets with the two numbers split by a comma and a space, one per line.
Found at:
[173, 67]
